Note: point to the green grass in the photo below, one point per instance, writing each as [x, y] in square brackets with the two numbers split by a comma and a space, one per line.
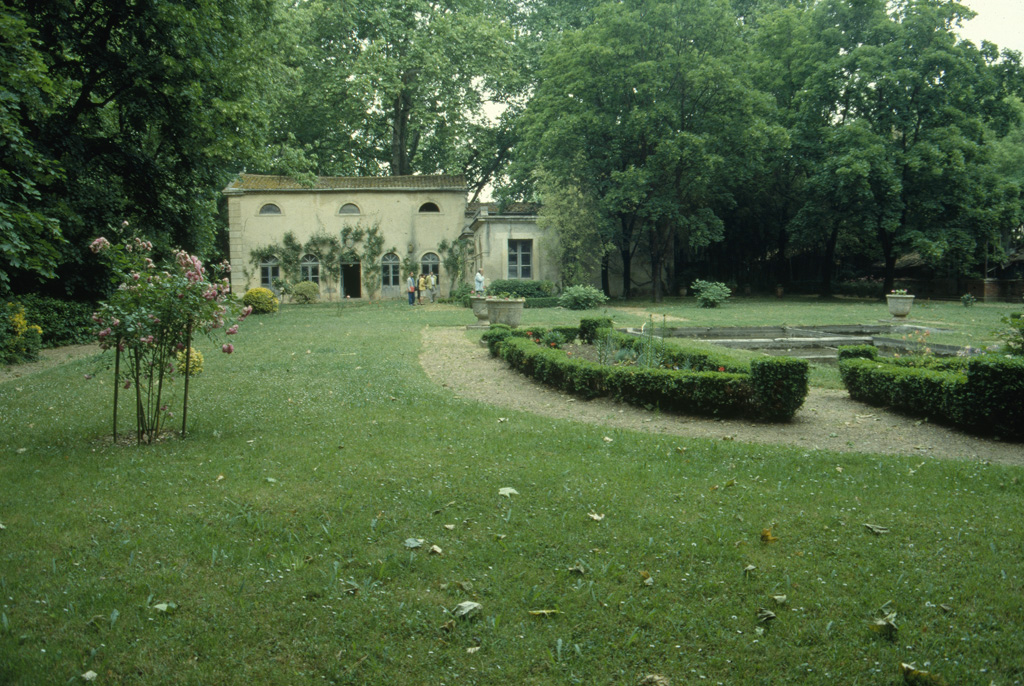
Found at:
[334, 448]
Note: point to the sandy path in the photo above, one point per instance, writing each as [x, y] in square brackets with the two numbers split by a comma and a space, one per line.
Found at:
[828, 419]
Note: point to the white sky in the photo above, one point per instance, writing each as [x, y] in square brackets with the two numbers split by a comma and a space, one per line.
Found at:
[998, 21]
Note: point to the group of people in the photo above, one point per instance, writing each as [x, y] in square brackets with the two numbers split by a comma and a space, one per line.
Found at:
[426, 283]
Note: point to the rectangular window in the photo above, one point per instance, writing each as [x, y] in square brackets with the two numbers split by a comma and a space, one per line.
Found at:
[268, 273]
[311, 272]
[389, 274]
[520, 259]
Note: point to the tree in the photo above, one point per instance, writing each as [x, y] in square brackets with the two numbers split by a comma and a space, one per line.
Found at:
[640, 109]
[580, 231]
[150, 104]
[29, 238]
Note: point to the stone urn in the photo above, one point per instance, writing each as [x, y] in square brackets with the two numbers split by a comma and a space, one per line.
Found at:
[899, 305]
[479, 304]
[507, 311]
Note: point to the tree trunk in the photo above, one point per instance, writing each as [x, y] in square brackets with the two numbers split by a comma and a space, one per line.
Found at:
[830, 254]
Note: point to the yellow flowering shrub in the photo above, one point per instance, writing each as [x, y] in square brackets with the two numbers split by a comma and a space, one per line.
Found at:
[195, 366]
[261, 300]
[19, 340]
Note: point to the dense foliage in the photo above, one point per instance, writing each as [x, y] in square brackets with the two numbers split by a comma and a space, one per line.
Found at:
[805, 143]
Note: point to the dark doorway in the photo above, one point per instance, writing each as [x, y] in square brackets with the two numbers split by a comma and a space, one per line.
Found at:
[351, 280]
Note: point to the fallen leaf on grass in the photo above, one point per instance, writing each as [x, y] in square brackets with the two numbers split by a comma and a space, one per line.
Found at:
[466, 609]
[876, 530]
[766, 536]
[271, 480]
[764, 615]
[748, 569]
[654, 680]
[165, 607]
[595, 516]
[912, 675]
[607, 440]
[545, 613]
[648, 579]
[780, 599]
[502, 419]
[413, 542]
[450, 527]
[435, 550]
[90, 676]
[448, 626]
[507, 492]
[578, 569]
[886, 627]
[472, 649]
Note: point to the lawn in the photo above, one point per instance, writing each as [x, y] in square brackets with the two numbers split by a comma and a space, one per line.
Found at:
[271, 545]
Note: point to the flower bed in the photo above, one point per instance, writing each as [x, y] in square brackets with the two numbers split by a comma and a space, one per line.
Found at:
[983, 394]
[683, 381]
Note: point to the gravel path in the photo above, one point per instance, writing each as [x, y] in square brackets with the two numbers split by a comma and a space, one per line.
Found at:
[828, 420]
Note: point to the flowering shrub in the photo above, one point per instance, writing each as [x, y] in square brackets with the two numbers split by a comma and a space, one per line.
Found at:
[151, 316]
[306, 293]
[552, 339]
[193, 366]
[261, 300]
[19, 340]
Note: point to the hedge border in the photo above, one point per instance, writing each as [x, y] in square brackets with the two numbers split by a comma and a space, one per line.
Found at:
[771, 389]
[982, 394]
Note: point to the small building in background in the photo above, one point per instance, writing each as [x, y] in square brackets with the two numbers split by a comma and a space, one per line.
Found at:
[284, 230]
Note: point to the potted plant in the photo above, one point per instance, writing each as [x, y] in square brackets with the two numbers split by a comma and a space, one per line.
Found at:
[505, 309]
[899, 303]
[478, 301]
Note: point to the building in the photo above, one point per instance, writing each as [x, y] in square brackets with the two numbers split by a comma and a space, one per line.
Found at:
[508, 244]
[282, 229]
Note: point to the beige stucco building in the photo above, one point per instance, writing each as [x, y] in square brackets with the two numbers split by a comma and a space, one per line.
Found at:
[413, 213]
[508, 244]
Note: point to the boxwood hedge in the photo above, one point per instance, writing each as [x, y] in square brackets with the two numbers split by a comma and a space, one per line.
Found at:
[983, 394]
[689, 382]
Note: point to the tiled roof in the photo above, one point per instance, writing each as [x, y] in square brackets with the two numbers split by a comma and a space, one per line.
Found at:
[256, 182]
[525, 208]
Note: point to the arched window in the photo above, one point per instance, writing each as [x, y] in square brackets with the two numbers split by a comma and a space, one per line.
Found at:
[270, 208]
[429, 207]
[431, 263]
[390, 272]
[309, 269]
[349, 208]
[270, 269]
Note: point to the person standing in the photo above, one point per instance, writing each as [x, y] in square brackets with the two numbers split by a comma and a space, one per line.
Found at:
[432, 283]
[478, 282]
[421, 286]
[411, 284]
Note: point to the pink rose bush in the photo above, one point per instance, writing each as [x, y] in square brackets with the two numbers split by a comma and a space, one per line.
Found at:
[153, 312]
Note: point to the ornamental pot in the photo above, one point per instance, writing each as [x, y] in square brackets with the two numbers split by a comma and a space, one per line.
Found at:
[479, 304]
[508, 312]
[899, 305]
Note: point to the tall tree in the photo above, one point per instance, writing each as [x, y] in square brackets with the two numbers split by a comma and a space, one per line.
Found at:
[153, 100]
[640, 109]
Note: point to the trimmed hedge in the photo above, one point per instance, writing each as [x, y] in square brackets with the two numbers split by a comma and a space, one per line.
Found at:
[983, 394]
[537, 303]
[773, 388]
[590, 325]
[521, 288]
[64, 322]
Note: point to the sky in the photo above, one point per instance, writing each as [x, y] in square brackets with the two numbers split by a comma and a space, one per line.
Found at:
[998, 21]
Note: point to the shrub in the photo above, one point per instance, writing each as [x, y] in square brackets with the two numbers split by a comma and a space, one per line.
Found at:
[306, 293]
[64, 322]
[780, 386]
[19, 340]
[710, 293]
[582, 298]
[552, 339]
[968, 300]
[195, 363]
[461, 294]
[537, 303]
[590, 325]
[522, 288]
[983, 394]
[261, 300]
[1013, 333]
[494, 336]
